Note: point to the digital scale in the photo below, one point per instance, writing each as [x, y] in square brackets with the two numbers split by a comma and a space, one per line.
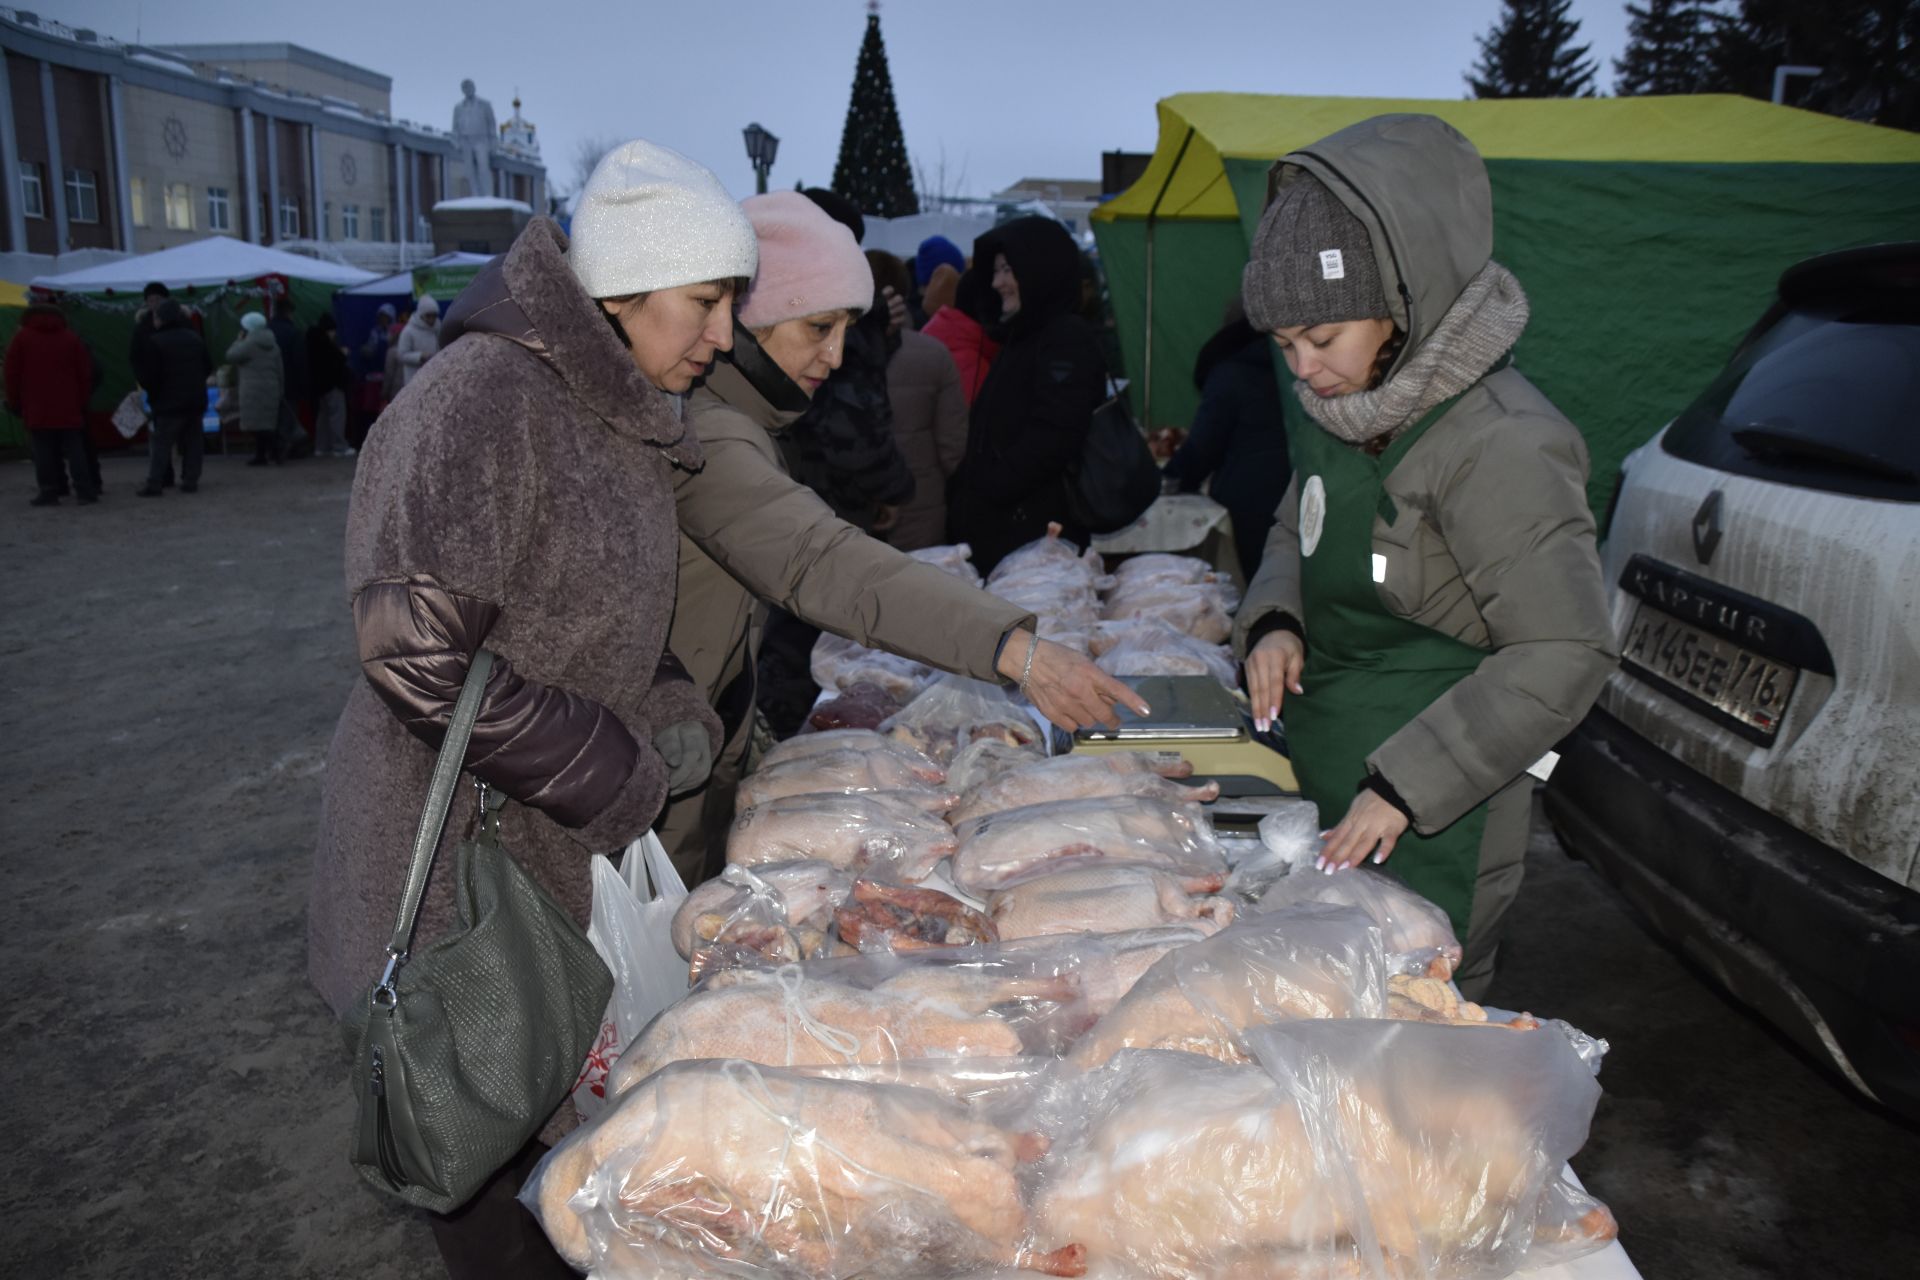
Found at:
[1197, 719]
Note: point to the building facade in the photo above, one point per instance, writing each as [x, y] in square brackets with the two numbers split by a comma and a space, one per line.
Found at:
[114, 146]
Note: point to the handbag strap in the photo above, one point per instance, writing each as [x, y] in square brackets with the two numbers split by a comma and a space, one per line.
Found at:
[433, 816]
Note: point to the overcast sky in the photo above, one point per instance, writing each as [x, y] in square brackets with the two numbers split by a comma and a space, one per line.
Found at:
[1003, 89]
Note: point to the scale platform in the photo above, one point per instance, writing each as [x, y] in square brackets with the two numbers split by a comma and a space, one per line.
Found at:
[1196, 719]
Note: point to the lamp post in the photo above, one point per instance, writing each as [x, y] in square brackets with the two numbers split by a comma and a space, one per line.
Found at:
[761, 148]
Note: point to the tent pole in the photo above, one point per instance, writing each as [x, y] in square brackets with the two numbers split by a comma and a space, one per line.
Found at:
[1153, 215]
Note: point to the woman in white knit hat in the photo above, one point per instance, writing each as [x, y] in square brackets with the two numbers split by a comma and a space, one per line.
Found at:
[751, 534]
[518, 495]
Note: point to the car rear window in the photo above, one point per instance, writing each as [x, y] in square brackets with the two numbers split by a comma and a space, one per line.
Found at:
[1827, 398]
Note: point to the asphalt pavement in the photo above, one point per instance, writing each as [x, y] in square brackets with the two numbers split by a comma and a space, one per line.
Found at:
[172, 669]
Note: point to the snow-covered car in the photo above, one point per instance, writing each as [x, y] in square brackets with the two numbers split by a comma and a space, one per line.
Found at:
[1750, 779]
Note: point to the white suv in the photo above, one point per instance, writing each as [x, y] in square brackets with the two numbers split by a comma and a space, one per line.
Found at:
[1751, 776]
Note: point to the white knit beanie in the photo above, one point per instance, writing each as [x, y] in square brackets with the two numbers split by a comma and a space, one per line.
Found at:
[649, 218]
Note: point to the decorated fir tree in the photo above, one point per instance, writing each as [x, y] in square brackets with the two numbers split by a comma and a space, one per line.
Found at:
[1530, 53]
[873, 170]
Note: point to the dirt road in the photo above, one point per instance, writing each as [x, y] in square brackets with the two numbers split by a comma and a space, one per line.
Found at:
[172, 671]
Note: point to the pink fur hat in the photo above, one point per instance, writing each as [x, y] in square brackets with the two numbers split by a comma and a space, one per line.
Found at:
[808, 262]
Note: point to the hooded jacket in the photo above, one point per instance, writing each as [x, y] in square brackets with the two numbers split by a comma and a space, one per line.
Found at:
[260, 378]
[1031, 417]
[1238, 438]
[517, 495]
[49, 372]
[751, 534]
[1486, 536]
[930, 424]
[413, 348]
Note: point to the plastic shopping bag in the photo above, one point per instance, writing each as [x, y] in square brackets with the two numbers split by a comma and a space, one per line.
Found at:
[632, 931]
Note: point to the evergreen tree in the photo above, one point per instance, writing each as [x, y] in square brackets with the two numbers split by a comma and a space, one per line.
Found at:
[873, 170]
[1530, 54]
[1868, 52]
[1669, 48]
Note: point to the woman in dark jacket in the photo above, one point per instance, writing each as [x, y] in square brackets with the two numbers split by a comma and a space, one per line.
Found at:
[1238, 436]
[1030, 420]
[519, 495]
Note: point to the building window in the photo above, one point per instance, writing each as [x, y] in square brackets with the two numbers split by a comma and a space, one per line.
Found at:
[219, 210]
[349, 222]
[33, 192]
[83, 197]
[179, 206]
[289, 218]
[376, 223]
[137, 191]
[326, 219]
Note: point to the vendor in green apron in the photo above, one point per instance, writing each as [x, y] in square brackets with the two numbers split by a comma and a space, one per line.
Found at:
[1429, 618]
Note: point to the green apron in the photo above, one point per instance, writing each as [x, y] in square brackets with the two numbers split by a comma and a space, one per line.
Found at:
[1369, 672]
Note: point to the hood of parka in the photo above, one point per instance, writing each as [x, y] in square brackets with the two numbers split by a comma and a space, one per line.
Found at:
[1045, 263]
[530, 297]
[1421, 190]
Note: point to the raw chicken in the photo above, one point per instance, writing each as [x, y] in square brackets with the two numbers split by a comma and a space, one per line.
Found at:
[1416, 934]
[1051, 553]
[1356, 1148]
[884, 917]
[1161, 570]
[1002, 849]
[1077, 777]
[1437, 1000]
[1195, 610]
[859, 833]
[956, 560]
[802, 892]
[1108, 965]
[1104, 900]
[814, 744]
[838, 664]
[729, 1168]
[955, 711]
[1150, 647]
[788, 1017]
[1313, 962]
[983, 761]
[847, 771]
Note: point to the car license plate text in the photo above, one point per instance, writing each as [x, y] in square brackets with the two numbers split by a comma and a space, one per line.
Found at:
[1708, 672]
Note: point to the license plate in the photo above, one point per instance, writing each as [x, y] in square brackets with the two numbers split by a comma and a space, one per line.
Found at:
[1732, 685]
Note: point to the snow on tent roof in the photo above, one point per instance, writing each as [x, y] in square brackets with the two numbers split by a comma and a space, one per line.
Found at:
[215, 260]
[401, 282]
[484, 202]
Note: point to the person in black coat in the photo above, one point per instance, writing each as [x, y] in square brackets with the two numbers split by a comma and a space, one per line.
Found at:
[172, 365]
[1238, 437]
[1029, 422]
[293, 361]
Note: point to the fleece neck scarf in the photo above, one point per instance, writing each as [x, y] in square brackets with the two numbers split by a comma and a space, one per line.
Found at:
[1481, 326]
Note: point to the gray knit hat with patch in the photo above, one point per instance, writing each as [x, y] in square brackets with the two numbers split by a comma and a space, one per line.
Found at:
[1312, 262]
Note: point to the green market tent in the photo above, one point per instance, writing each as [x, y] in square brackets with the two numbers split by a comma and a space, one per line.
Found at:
[1649, 233]
[220, 277]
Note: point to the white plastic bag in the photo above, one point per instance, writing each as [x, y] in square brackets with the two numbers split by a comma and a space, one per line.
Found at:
[632, 931]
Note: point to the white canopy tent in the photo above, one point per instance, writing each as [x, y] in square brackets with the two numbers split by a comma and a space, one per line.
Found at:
[402, 281]
[213, 261]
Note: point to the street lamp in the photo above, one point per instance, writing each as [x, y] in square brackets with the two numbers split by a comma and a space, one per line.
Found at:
[761, 147]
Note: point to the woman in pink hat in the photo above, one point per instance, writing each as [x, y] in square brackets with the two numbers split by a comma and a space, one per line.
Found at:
[751, 534]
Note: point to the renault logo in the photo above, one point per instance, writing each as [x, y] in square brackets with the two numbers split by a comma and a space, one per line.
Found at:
[1706, 528]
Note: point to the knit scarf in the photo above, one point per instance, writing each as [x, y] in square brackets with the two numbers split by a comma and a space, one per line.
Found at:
[1481, 326]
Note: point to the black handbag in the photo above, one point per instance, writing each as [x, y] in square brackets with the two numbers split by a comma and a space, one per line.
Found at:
[464, 1050]
[1115, 479]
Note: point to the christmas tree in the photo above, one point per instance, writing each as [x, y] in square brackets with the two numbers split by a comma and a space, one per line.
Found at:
[873, 171]
[1530, 54]
[1669, 49]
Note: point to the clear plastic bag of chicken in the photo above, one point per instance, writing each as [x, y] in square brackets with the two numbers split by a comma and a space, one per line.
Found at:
[839, 664]
[884, 1006]
[1150, 646]
[1199, 611]
[1082, 777]
[910, 778]
[732, 1168]
[954, 712]
[1051, 556]
[1353, 1148]
[998, 850]
[1416, 933]
[956, 559]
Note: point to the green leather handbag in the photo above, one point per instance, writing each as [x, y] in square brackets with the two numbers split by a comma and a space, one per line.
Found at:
[464, 1050]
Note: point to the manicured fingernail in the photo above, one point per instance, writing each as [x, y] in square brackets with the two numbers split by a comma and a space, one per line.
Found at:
[1273, 713]
[1380, 857]
[1328, 870]
[1319, 864]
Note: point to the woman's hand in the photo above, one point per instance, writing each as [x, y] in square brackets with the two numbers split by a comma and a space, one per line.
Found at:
[1067, 688]
[1370, 822]
[1273, 671]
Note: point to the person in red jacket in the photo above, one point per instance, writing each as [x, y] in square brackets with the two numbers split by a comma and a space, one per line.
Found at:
[49, 380]
[958, 326]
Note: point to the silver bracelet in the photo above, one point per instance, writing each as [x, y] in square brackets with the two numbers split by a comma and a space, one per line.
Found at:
[1026, 673]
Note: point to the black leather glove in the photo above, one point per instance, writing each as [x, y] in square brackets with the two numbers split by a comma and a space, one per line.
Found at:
[688, 753]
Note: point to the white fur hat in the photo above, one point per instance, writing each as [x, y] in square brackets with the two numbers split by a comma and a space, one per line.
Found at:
[649, 218]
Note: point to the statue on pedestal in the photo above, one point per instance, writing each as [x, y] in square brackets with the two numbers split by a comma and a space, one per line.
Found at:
[474, 133]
